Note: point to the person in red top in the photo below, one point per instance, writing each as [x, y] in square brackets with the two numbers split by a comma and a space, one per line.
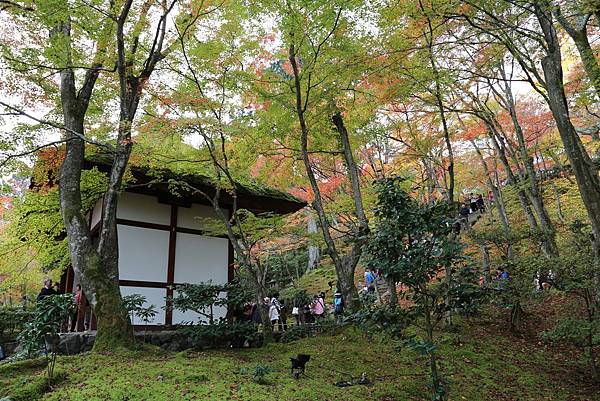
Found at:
[77, 298]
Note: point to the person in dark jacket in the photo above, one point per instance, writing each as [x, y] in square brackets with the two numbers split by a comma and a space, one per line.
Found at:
[480, 203]
[256, 314]
[46, 291]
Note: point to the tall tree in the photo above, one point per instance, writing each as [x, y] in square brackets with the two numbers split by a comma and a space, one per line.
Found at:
[319, 40]
[527, 30]
[140, 43]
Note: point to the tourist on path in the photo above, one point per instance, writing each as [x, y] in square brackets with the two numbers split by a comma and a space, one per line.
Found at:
[370, 279]
[473, 203]
[274, 312]
[480, 203]
[297, 310]
[338, 306]
[318, 307]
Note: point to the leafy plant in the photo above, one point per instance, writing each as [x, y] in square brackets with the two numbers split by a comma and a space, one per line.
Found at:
[581, 327]
[221, 334]
[259, 375]
[42, 331]
[12, 321]
[134, 304]
[201, 298]
[413, 243]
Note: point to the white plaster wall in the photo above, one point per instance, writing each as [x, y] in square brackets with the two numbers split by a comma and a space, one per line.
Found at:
[144, 208]
[154, 296]
[143, 253]
[96, 213]
[199, 259]
[192, 317]
[191, 217]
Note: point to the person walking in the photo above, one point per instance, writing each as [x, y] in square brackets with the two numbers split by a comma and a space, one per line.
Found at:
[338, 306]
[318, 307]
[480, 203]
[281, 321]
[296, 311]
[370, 279]
[273, 314]
[473, 203]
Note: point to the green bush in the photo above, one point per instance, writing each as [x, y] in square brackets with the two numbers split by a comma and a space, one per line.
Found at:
[294, 333]
[222, 334]
[41, 332]
[12, 321]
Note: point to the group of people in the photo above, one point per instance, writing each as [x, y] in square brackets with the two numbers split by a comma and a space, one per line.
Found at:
[303, 313]
[50, 289]
[474, 203]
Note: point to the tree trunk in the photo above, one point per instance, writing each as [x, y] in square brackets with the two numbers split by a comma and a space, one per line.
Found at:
[346, 265]
[314, 252]
[440, 105]
[392, 288]
[578, 33]
[513, 181]
[583, 168]
[495, 190]
[485, 263]
[436, 380]
[589, 60]
[533, 191]
[99, 281]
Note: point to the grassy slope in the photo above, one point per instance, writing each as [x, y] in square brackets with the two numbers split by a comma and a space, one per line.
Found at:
[483, 362]
[571, 206]
[316, 280]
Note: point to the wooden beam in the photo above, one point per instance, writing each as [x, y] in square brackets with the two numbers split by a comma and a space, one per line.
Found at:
[143, 224]
[171, 265]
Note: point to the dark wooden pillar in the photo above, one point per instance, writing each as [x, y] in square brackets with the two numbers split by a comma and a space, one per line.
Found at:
[171, 265]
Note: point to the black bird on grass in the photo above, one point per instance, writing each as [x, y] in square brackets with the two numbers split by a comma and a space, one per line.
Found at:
[299, 364]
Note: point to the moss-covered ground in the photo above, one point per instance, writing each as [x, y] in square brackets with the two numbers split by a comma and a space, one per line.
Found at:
[482, 361]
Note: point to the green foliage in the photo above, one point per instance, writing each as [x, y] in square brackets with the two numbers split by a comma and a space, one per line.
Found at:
[575, 274]
[259, 375]
[576, 331]
[12, 321]
[201, 298]
[50, 313]
[286, 266]
[134, 304]
[413, 244]
[36, 234]
[221, 334]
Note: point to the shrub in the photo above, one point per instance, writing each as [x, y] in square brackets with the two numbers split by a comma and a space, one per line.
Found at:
[201, 298]
[221, 334]
[134, 304]
[413, 243]
[294, 333]
[12, 321]
[42, 330]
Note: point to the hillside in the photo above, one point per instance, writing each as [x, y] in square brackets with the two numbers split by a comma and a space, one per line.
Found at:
[483, 362]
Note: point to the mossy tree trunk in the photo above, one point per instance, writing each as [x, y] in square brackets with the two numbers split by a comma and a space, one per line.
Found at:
[345, 264]
[97, 266]
[583, 167]
[99, 280]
